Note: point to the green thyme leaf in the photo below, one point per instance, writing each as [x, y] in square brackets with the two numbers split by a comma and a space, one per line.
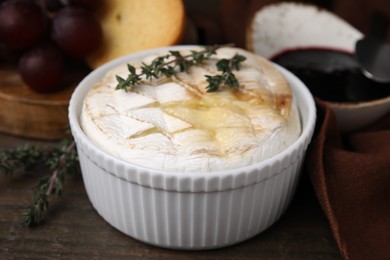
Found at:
[231, 80]
[131, 69]
[236, 61]
[214, 82]
[223, 65]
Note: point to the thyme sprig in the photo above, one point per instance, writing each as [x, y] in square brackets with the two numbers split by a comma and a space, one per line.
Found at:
[179, 63]
[20, 159]
[60, 160]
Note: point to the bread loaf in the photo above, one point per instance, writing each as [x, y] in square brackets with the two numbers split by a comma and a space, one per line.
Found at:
[133, 25]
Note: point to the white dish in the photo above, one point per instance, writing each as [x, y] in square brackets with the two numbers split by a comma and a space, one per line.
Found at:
[280, 27]
[190, 211]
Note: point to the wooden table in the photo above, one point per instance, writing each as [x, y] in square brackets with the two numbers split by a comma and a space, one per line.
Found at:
[74, 230]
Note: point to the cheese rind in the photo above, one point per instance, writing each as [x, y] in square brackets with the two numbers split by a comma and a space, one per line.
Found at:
[174, 124]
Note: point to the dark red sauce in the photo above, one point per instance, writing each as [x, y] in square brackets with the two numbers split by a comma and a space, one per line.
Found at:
[331, 75]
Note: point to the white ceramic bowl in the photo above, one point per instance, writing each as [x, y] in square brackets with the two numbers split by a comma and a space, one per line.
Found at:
[189, 210]
[281, 27]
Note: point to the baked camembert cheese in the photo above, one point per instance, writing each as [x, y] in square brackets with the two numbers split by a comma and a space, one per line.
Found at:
[174, 124]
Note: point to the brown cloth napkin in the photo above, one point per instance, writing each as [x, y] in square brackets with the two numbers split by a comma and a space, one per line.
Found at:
[351, 178]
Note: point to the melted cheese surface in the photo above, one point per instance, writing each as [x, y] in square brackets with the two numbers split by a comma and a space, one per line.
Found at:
[174, 124]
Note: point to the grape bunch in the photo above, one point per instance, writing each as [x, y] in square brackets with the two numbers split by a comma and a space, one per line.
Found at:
[43, 34]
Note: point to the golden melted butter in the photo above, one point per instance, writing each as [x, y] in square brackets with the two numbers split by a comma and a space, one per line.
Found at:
[210, 111]
[223, 115]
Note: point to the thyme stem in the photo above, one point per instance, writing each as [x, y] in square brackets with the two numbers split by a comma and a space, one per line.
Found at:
[53, 178]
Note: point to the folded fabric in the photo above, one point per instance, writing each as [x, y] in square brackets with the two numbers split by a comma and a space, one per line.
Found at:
[351, 178]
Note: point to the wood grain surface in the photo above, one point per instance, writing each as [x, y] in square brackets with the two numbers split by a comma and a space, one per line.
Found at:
[74, 230]
[27, 113]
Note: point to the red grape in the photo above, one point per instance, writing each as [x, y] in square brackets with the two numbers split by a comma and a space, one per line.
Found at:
[42, 68]
[22, 24]
[76, 31]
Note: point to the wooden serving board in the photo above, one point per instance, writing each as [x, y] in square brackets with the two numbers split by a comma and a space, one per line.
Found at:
[26, 113]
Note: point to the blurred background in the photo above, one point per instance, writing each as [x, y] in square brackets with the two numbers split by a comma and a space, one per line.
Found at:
[222, 21]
